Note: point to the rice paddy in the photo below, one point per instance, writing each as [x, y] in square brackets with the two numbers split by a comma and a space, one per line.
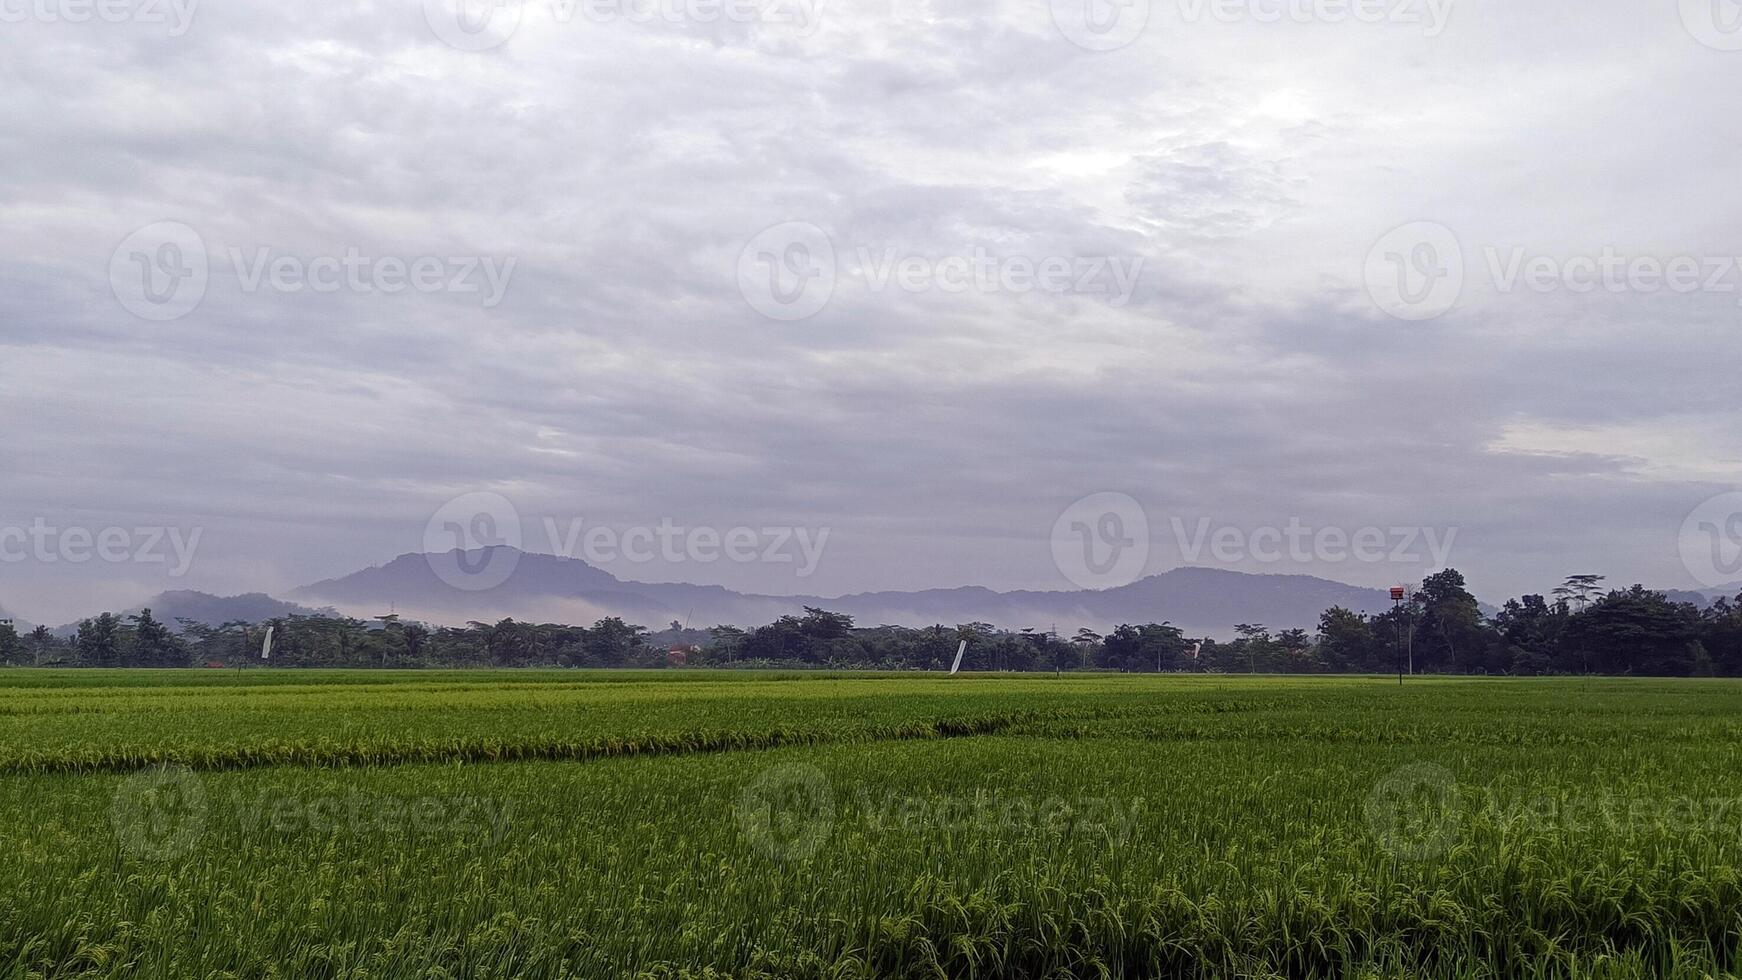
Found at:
[299, 824]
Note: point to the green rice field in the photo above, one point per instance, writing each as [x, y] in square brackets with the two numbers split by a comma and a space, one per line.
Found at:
[694, 824]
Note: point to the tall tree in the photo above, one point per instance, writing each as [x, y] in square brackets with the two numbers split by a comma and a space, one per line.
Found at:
[1347, 642]
[11, 645]
[99, 641]
[615, 643]
[43, 646]
[1254, 641]
[1636, 632]
[1450, 616]
[1153, 647]
[153, 644]
[1580, 591]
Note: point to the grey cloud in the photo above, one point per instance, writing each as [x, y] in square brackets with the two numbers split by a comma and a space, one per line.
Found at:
[624, 378]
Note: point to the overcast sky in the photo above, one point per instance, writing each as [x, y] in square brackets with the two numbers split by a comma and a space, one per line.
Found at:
[664, 276]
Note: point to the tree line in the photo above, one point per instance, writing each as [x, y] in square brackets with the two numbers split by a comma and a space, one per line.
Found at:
[1438, 628]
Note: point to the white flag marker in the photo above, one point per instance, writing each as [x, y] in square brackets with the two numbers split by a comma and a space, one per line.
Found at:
[959, 652]
[266, 647]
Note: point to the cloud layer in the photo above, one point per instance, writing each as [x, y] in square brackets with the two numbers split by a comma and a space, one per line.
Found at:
[621, 163]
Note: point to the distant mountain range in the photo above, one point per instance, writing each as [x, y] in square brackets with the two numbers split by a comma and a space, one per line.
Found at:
[548, 588]
[1202, 601]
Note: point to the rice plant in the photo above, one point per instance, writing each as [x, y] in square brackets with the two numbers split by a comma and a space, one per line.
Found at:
[570, 825]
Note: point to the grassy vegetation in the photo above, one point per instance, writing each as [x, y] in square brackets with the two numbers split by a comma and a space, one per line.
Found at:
[562, 824]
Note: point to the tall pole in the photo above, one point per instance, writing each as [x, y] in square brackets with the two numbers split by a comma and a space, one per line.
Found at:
[1409, 643]
[1397, 596]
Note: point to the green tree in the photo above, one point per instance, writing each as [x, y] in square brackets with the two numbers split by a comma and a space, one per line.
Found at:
[11, 645]
[1635, 632]
[613, 643]
[1579, 591]
[153, 644]
[44, 647]
[99, 641]
[1451, 618]
[1151, 648]
[1347, 642]
[727, 644]
[1253, 645]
